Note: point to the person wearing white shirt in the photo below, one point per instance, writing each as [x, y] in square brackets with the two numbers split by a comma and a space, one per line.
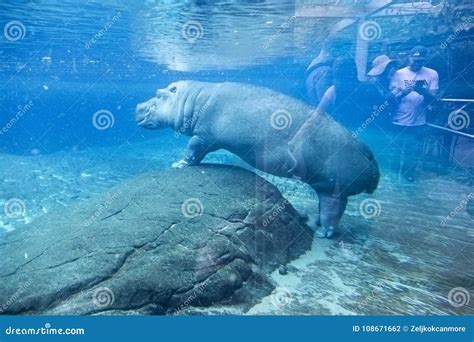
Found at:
[414, 87]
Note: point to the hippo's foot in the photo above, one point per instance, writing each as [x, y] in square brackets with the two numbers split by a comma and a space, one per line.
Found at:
[180, 164]
[324, 232]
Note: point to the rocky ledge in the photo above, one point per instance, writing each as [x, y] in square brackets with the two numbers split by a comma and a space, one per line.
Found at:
[158, 244]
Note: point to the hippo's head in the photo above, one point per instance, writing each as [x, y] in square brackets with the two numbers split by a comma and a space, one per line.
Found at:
[158, 111]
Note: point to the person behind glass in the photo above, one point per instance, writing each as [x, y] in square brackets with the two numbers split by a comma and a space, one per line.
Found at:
[414, 87]
[319, 72]
[376, 95]
[338, 100]
[380, 77]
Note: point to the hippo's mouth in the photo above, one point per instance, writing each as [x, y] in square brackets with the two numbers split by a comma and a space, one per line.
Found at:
[142, 117]
[141, 121]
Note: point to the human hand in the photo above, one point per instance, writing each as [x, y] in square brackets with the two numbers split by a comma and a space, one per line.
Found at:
[421, 89]
[408, 90]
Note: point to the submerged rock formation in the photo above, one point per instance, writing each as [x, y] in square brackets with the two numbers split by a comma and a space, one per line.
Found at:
[157, 244]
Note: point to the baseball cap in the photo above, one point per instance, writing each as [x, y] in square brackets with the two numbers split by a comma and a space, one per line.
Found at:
[419, 52]
[379, 64]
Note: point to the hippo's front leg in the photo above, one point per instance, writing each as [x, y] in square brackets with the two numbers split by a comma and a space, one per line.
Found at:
[196, 150]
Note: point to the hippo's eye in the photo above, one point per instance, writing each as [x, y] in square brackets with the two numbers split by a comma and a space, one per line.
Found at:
[173, 89]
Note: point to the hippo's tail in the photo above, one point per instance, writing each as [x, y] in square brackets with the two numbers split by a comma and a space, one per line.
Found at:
[374, 175]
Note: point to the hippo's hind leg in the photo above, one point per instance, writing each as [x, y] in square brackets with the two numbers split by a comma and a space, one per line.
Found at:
[196, 150]
[331, 209]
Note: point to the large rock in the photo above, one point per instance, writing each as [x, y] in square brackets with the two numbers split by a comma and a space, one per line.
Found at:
[157, 244]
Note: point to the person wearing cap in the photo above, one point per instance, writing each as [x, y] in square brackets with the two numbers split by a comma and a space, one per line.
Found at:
[380, 76]
[414, 87]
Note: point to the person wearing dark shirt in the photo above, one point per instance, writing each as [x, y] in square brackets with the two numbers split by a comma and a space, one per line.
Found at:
[380, 77]
[319, 74]
[340, 99]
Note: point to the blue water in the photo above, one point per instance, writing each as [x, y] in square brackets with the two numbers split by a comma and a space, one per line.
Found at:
[65, 63]
[73, 59]
[69, 76]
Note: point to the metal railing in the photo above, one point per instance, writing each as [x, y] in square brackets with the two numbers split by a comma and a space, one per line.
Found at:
[446, 144]
[450, 130]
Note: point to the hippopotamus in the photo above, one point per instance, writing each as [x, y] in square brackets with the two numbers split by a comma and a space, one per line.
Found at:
[272, 132]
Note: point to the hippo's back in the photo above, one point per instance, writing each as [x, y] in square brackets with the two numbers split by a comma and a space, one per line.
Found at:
[257, 124]
[332, 160]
